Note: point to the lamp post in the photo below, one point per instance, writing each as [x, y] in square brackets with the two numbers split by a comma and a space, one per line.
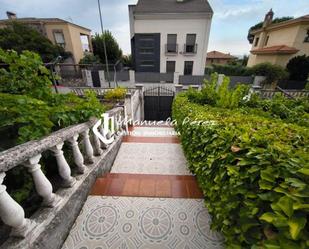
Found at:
[104, 45]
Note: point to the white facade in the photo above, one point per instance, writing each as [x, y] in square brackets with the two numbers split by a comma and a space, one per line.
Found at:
[180, 24]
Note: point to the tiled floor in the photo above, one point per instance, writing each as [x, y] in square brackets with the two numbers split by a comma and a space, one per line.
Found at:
[120, 213]
[151, 158]
[144, 223]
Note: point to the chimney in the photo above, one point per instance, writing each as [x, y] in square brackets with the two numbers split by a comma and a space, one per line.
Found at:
[11, 15]
[268, 18]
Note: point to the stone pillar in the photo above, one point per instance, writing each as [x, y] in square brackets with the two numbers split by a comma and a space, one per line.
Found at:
[132, 76]
[89, 81]
[63, 167]
[176, 78]
[87, 146]
[257, 83]
[103, 82]
[77, 155]
[220, 80]
[12, 214]
[42, 184]
[178, 89]
[140, 87]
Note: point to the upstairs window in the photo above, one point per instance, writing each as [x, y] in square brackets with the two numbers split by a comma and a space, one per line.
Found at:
[256, 41]
[307, 36]
[190, 46]
[266, 41]
[59, 38]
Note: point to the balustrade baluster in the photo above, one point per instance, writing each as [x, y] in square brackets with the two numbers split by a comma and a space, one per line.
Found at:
[77, 155]
[87, 146]
[12, 214]
[42, 184]
[63, 167]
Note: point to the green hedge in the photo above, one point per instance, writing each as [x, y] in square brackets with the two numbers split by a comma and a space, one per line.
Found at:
[253, 171]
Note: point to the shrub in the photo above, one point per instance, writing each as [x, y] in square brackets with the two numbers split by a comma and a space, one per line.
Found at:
[272, 72]
[230, 70]
[298, 68]
[253, 171]
[90, 59]
[118, 93]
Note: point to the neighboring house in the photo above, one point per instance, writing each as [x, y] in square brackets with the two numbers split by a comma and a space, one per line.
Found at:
[72, 37]
[216, 57]
[277, 43]
[170, 35]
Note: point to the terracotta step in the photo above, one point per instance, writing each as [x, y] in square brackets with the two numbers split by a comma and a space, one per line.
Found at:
[145, 185]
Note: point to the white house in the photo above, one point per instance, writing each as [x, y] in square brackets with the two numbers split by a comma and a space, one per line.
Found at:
[170, 35]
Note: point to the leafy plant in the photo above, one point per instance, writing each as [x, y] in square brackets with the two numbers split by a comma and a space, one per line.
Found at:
[118, 93]
[272, 72]
[253, 171]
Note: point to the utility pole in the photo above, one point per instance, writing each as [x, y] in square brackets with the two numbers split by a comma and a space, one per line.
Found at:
[104, 45]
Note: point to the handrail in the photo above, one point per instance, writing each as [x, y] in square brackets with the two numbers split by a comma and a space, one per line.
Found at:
[284, 92]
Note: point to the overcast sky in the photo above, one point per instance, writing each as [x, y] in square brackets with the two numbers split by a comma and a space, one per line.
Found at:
[230, 23]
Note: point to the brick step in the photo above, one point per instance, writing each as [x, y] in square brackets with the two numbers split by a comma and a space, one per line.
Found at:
[146, 185]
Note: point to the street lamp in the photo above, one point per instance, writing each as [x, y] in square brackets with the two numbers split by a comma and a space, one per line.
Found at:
[104, 45]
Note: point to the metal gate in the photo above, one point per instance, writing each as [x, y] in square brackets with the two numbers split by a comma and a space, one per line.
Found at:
[158, 103]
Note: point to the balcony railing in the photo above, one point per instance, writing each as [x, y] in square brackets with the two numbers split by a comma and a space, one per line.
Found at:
[171, 48]
[190, 48]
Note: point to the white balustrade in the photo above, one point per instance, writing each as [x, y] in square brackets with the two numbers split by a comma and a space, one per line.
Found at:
[63, 167]
[77, 155]
[42, 184]
[12, 214]
[87, 146]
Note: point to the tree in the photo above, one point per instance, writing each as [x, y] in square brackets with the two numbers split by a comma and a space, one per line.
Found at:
[298, 67]
[19, 37]
[113, 50]
[127, 61]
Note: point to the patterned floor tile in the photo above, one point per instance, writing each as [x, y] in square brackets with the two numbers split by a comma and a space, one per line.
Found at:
[145, 223]
[140, 158]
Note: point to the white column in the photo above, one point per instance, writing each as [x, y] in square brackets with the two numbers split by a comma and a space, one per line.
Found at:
[42, 184]
[176, 78]
[77, 155]
[87, 146]
[63, 167]
[12, 214]
[102, 79]
[132, 76]
[89, 81]
[220, 80]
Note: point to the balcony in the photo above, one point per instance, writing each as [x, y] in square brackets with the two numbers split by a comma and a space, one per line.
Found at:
[190, 48]
[171, 48]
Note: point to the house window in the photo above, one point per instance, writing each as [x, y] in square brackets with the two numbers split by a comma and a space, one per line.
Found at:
[59, 38]
[171, 46]
[266, 41]
[170, 66]
[188, 68]
[146, 50]
[307, 36]
[148, 63]
[190, 43]
[256, 41]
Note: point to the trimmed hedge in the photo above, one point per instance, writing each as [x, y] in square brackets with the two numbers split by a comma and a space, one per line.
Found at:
[253, 171]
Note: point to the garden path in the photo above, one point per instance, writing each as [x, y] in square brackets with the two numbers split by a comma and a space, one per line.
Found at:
[149, 200]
